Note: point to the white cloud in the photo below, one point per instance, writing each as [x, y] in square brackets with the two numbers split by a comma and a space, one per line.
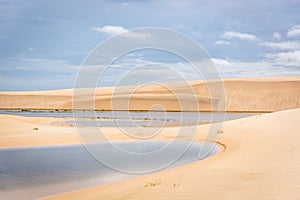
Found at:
[230, 35]
[110, 30]
[294, 45]
[116, 30]
[277, 36]
[220, 62]
[222, 42]
[291, 58]
[266, 68]
[294, 31]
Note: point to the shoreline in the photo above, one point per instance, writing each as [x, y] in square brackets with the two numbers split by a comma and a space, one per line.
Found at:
[71, 110]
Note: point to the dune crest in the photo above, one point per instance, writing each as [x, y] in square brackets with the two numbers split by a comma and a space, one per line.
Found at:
[242, 95]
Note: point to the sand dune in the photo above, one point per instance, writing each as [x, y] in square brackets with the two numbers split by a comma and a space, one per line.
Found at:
[242, 95]
[19, 131]
[260, 161]
[260, 154]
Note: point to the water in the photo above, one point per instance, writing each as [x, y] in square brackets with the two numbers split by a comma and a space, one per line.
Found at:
[36, 172]
[131, 119]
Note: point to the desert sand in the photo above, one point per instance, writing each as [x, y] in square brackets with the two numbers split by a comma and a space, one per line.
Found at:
[260, 161]
[241, 95]
[258, 158]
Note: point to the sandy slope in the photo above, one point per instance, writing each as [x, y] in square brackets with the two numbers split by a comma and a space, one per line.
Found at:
[261, 161]
[246, 95]
[17, 131]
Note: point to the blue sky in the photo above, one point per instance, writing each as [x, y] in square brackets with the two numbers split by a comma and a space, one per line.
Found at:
[43, 43]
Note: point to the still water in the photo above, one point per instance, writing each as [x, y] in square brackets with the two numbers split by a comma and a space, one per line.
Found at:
[35, 172]
[131, 119]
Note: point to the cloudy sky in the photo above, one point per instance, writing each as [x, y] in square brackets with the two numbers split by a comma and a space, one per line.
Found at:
[43, 43]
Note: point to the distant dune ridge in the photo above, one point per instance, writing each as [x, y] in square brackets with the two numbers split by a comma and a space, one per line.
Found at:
[242, 95]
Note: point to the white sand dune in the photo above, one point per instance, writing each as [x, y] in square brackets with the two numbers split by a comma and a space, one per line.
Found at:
[260, 161]
[260, 157]
[242, 95]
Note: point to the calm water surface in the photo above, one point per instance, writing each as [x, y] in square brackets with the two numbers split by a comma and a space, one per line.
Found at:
[29, 173]
[131, 119]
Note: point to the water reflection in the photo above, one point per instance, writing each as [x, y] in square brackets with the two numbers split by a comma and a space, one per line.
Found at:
[132, 119]
[39, 171]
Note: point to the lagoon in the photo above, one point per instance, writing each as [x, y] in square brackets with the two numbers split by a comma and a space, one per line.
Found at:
[35, 172]
[132, 119]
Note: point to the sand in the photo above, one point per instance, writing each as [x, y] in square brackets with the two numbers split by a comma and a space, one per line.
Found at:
[261, 161]
[34, 131]
[17, 131]
[259, 157]
[242, 95]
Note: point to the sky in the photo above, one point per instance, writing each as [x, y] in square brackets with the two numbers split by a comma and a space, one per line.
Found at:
[43, 43]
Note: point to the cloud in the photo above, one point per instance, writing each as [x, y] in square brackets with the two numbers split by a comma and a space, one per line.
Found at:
[277, 36]
[294, 31]
[270, 67]
[291, 58]
[140, 71]
[117, 30]
[110, 30]
[220, 62]
[222, 42]
[230, 35]
[291, 45]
